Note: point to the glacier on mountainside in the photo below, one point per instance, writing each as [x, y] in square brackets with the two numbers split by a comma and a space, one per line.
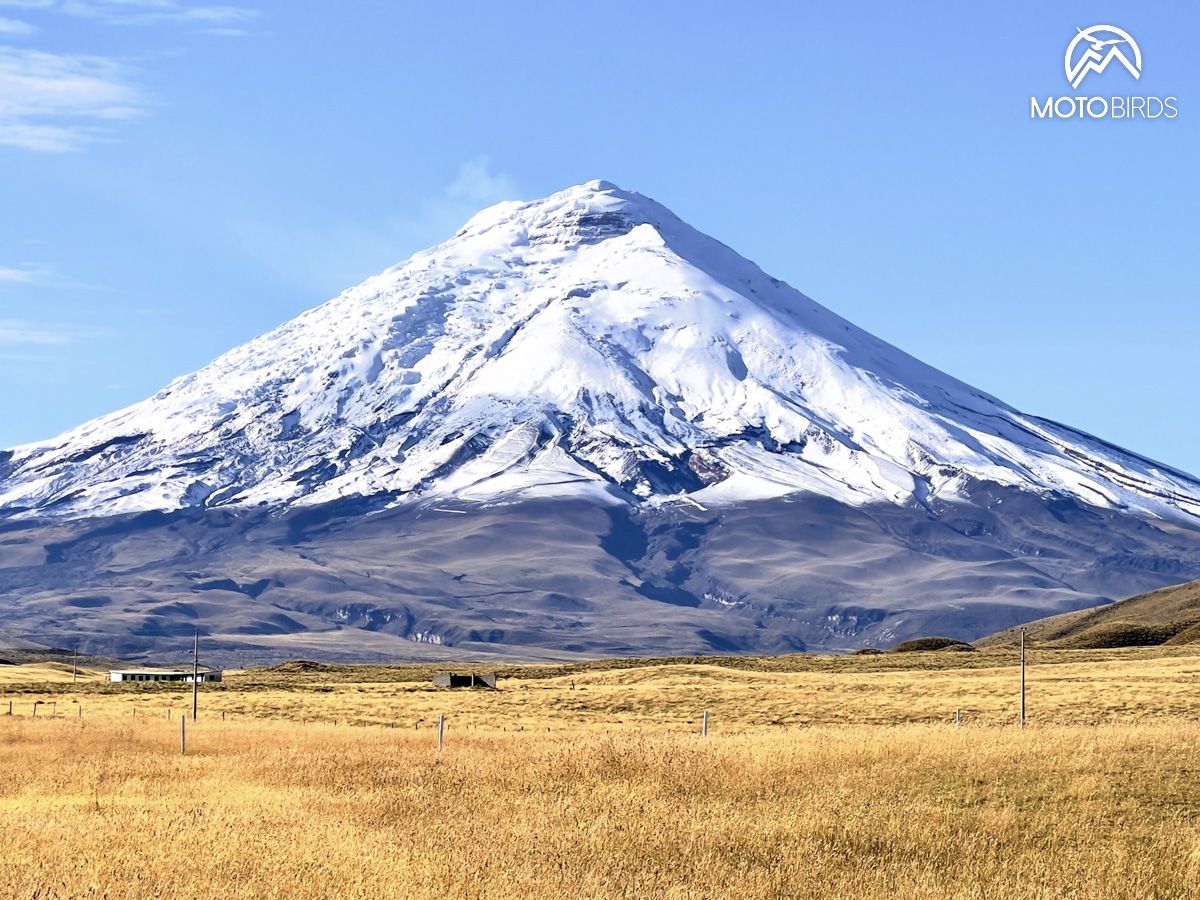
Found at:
[588, 345]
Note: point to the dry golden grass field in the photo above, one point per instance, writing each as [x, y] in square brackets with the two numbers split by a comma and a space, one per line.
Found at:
[820, 778]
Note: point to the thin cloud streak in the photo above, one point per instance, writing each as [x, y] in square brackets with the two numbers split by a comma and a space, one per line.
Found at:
[20, 331]
[142, 12]
[27, 275]
[42, 276]
[15, 26]
[57, 102]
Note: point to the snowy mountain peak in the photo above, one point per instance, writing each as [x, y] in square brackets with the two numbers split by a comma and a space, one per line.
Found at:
[587, 343]
[583, 214]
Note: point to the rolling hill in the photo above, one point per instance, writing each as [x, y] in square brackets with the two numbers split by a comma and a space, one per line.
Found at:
[1169, 616]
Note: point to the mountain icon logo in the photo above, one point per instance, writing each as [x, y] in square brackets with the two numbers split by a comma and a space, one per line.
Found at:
[1102, 44]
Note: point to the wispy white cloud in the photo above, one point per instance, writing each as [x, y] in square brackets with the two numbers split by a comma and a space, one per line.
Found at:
[40, 276]
[340, 254]
[20, 331]
[57, 102]
[23, 275]
[142, 12]
[53, 102]
[15, 26]
[478, 185]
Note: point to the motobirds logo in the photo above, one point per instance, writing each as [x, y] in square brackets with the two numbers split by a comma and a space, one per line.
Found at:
[1091, 51]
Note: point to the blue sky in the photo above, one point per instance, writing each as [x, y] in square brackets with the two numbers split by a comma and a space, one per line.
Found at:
[176, 177]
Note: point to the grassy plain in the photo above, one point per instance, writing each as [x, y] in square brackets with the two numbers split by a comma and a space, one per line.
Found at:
[1064, 687]
[821, 778]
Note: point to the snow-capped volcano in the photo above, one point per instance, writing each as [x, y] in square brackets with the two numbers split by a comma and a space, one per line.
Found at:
[587, 343]
[579, 427]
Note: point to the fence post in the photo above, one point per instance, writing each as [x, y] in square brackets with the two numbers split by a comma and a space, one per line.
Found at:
[1022, 677]
[183, 735]
[441, 730]
[196, 676]
[704, 726]
[957, 718]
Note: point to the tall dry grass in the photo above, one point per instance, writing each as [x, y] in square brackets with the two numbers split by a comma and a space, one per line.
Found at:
[106, 807]
[1079, 688]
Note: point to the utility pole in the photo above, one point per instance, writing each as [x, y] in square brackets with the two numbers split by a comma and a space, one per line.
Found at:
[1022, 677]
[196, 675]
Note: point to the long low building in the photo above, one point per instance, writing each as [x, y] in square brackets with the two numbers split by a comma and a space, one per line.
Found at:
[163, 675]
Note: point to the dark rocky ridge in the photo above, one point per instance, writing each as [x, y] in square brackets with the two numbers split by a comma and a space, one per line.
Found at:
[556, 579]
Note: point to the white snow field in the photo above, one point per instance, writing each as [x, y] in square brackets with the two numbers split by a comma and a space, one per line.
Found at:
[590, 344]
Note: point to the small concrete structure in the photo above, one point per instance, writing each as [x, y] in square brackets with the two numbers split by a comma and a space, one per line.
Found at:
[205, 674]
[445, 679]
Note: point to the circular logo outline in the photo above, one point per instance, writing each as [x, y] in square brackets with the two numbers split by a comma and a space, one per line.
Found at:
[1092, 61]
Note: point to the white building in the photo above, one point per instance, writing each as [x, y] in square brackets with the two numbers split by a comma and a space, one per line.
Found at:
[205, 674]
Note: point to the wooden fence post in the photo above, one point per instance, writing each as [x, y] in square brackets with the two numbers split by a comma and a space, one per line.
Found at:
[441, 730]
[196, 677]
[957, 718]
[1022, 677]
[183, 735]
[704, 726]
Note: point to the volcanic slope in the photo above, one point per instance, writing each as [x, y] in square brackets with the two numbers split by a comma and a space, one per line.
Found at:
[1167, 617]
[648, 445]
